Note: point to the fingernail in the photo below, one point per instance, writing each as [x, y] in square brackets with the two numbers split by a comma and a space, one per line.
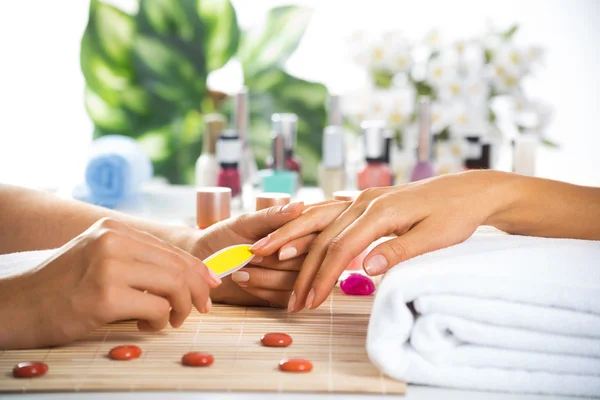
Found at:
[259, 244]
[240, 277]
[309, 299]
[257, 259]
[376, 264]
[214, 276]
[208, 306]
[292, 302]
[287, 253]
[290, 207]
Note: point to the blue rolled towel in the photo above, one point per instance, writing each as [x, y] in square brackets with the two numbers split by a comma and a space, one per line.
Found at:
[116, 170]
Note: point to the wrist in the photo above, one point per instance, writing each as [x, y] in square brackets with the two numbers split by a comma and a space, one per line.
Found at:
[503, 195]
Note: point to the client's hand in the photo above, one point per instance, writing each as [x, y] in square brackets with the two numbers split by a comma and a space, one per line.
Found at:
[110, 272]
[426, 216]
[267, 281]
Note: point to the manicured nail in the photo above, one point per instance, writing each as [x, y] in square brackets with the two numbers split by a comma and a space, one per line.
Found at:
[287, 252]
[261, 243]
[309, 299]
[290, 207]
[292, 302]
[376, 264]
[214, 276]
[257, 259]
[240, 277]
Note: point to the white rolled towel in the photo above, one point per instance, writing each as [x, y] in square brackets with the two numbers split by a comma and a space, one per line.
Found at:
[497, 312]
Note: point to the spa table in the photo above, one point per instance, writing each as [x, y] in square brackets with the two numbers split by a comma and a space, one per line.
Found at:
[176, 205]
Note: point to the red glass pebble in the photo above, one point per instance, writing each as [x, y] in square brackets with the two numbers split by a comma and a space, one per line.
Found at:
[276, 339]
[295, 365]
[357, 285]
[29, 369]
[197, 359]
[125, 352]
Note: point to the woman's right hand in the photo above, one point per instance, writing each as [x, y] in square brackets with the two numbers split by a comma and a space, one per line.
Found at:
[108, 273]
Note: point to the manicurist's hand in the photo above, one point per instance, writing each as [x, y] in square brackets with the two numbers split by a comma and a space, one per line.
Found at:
[266, 281]
[110, 272]
[425, 216]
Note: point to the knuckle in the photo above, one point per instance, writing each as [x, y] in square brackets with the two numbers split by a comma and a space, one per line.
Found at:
[368, 194]
[336, 246]
[106, 240]
[398, 249]
[107, 223]
[320, 242]
[178, 279]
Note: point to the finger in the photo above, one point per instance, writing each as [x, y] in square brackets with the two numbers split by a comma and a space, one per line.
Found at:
[314, 219]
[272, 262]
[317, 254]
[164, 281]
[151, 311]
[340, 252]
[424, 237]
[275, 298]
[296, 247]
[263, 222]
[263, 278]
[193, 262]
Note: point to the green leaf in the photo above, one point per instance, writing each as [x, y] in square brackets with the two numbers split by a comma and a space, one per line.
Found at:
[550, 143]
[105, 116]
[510, 32]
[222, 31]
[169, 53]
[270, 44]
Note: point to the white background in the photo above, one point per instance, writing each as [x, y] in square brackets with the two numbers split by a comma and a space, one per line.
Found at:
[44, 130]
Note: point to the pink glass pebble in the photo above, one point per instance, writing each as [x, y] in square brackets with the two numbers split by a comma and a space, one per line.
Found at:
[357, 285]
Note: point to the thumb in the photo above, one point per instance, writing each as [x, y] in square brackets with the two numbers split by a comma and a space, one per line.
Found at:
[419, 240]
[259, 224]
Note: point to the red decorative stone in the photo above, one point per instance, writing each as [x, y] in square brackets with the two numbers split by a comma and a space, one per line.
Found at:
[357, 285]
[197, 359]
[295, 365]
[276, 339]
[128, 352]
[30, 369]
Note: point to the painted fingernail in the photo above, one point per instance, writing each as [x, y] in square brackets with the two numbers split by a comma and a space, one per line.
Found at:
[292, 302]
[257, 259]
[290, 207]
[309, 299]
[287, 252]
[376, 264]
[261, 243]
[240, 277]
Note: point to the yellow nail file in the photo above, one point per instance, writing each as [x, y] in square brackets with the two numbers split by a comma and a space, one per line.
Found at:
[229, 259]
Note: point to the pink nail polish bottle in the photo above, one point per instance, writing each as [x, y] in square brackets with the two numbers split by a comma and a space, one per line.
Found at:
[423, 169]
[376, 172]
[229, 150]
[213, 204]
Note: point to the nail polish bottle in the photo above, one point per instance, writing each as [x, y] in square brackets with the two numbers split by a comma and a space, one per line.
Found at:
[376, 172]
[213, 204]
[478, 153]
[286, 125]
[207, 166]
[268, 200]
[248, 168]
[229, 149]
[423, 169]
[332, 172]
[278, 179]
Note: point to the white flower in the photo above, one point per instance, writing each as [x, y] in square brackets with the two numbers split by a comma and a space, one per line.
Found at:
[356, 105]
[359, 47]
[533, 115]
[440, 71]
[476, 90]
[433, 39]
[468, 119]
[398, 57]
[451, 89]
[393, 105]
[441, 116]
[510, 61]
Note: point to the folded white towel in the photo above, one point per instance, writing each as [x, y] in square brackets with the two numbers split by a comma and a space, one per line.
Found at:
[18, 263]
[497, 312]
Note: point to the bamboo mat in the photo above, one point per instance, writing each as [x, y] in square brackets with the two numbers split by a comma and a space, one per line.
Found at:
[332, 337]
